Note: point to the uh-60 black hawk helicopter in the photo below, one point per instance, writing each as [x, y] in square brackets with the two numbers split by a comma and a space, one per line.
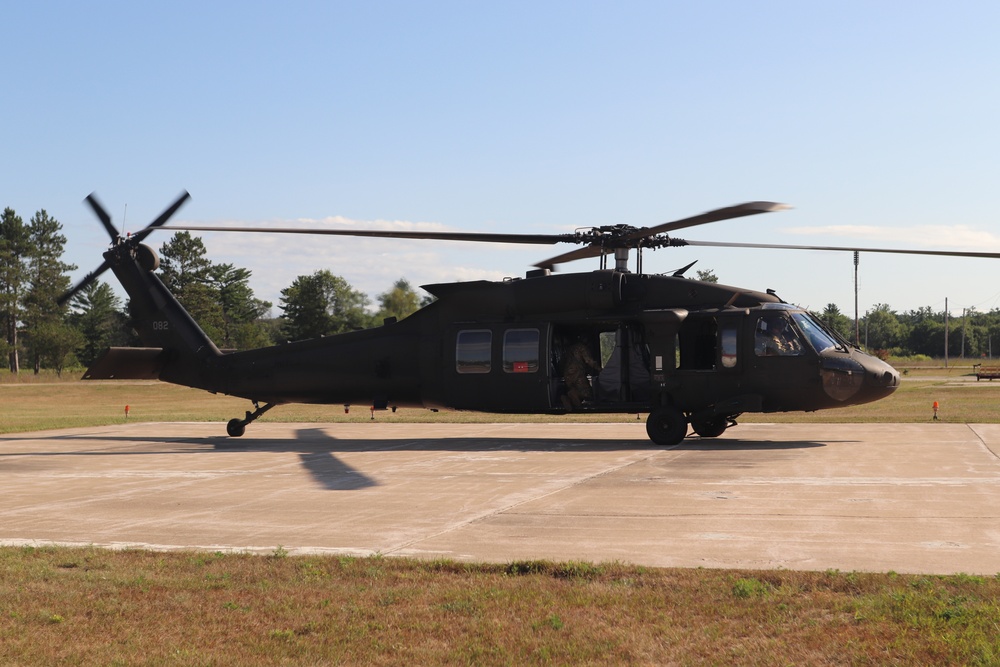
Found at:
[681, 350]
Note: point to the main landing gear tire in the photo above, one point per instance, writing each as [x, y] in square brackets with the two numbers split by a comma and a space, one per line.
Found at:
[235, 428]
[710, 428]
[666, 426]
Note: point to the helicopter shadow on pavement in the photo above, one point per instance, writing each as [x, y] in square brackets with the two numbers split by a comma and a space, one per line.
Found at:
[697, 444]
[317, 448]
[317, 457]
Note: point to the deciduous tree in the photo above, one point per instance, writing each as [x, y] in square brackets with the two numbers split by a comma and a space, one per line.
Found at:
[320, 305]
[399, 301]
[883, 330]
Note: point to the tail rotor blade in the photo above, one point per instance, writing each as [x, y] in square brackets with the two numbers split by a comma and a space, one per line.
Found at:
[163, 217]
[105, 219]
[102, 215]
[89, 278]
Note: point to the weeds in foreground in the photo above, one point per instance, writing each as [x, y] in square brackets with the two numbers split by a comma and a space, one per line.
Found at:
[95, 606]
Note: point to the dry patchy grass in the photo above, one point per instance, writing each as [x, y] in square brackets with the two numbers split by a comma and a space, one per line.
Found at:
[91, 606]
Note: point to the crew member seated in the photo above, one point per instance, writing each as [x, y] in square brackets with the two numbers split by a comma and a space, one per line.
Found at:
[776, 338]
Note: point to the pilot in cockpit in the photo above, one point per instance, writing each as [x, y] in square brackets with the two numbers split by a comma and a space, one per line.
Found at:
[776, 338]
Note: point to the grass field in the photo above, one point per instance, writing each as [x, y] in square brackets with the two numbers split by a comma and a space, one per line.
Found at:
[96, 606]
[99, 607]
[33, 403]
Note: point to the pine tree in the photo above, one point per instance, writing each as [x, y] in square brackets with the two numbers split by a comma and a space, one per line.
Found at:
[99, 318]
[241, 311]
[14, 251]
[186, 271]
[46, 331]
[218, 296]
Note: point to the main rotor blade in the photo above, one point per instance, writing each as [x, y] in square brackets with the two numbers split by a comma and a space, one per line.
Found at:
[89, 278]
[897, 251]
[536, 239]
[102, 215]
[727, 213]
[580, 253]
[163, 217]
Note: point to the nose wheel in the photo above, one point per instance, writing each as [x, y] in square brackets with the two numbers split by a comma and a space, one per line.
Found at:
[237, 427]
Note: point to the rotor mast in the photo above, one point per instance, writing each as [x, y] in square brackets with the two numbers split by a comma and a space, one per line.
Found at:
[621, 261]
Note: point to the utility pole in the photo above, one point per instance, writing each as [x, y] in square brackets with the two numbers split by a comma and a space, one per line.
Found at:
[946, 332]
[963, 333]
[857, 331]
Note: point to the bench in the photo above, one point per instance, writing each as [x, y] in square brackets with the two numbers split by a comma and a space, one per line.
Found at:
[988, 372]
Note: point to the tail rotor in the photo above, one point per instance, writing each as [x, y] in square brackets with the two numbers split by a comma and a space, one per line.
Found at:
[130, 243]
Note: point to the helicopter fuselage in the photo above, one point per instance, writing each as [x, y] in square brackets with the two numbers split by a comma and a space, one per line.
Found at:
[501, 347]
[685, 351]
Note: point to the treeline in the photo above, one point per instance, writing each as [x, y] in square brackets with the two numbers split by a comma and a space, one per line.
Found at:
[920, 332]
[40, 333]
[971, 334]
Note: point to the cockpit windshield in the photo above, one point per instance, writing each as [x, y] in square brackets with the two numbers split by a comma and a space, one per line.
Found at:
[814, 331]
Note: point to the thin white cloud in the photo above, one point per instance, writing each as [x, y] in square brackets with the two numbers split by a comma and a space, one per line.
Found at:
[929, 236]
[370, 265]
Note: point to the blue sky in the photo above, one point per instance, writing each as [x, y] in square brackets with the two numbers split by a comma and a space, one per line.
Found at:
[877, 121]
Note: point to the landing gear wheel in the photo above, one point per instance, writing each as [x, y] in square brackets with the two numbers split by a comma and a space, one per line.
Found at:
[666, 426]
[235, 428]
[710, 428]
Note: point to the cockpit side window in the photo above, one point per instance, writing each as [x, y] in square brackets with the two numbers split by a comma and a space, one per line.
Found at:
[818, 337]
[776, 337]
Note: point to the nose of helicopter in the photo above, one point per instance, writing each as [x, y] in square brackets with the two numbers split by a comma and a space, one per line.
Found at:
[881, 379]
[858, 378]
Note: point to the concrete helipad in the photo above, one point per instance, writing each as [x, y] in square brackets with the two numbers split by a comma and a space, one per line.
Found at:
[902, 497]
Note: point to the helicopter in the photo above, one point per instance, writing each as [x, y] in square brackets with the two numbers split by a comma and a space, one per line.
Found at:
[688, 353]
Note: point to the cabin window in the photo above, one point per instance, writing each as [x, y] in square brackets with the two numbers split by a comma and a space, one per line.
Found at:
[728, 336]
[473, 351]
[520, 351]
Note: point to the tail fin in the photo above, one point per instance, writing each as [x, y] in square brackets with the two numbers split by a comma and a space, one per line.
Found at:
[178, 350]
[189, 356]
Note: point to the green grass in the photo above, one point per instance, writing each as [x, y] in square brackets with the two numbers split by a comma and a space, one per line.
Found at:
[93, 606]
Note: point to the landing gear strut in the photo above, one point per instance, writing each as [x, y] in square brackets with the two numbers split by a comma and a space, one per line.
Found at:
[237, 427]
